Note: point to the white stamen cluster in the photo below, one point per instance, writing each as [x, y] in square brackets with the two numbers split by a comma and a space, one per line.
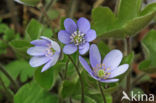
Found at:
[49, 51]
[101, 71]
[77, 38]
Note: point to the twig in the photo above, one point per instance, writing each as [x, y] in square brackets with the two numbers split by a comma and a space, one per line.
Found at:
[70, 100]
[13, 12]
[72, 8]
[102, 93]
[5, 16]
[9, 77]
[117, 6]
[47, 7]
[97, 3]
[78, 72]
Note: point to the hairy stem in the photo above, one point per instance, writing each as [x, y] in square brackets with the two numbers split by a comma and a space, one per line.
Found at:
[9, 77]
[129, 49]
[102, 93]
[78, 72]
[66, 69]
[8, 94]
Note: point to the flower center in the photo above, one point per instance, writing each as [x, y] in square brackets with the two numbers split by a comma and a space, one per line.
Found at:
[101, 72]
[77, 38]
[50, 51]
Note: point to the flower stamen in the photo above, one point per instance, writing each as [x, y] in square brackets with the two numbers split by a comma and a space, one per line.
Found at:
[101, 72]
[77, 38]
[49, 51]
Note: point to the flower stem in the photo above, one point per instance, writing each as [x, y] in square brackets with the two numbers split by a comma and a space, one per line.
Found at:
[78, 72]
[8, 94]
[9, 77]
[129, 47]
[102, 93]
[66, 69]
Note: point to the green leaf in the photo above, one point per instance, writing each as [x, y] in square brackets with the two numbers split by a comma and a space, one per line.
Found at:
[9, 35]
[24, 70]
[30, 2]
[20, 44]
[149, 8]
[128, 9]
[47, 32]
[149, 44]
[144, 64]
[20, 47]
[87, 99]
[33, 30]
[53, 14]
[109, 98]
[62, 22]
[102, 23]
[18, 68]
[139, 22]
[3, 45]
[69, 88]
[3, 28]
[128, 59]
[33, 93]
[107, 25]
[45, 79]
[103, 48]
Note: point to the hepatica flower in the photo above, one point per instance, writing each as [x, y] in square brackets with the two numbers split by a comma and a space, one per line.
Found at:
[76, 36]
[108, 69]
[45, 51]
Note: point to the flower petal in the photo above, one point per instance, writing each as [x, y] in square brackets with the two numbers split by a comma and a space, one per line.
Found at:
[64, 37]
[94, 56]
[52, 62]
[109, 80]
[87, 68]
[83, 49]
[113, 59]
[85, 65]
[40, 42]
[19, 1]
[119, 70]
[37, 51]
[69, 49]
[83, 25]
[56, 46]
[90, 35]
[45, 38]
[70, 25]
[38, 61]
[53, 43]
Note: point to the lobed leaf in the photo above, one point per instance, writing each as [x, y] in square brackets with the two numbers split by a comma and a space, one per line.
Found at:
[39, 95]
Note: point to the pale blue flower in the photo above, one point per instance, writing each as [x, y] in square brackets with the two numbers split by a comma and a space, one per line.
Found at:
[76, 36]
[45, 51]
[108, 69]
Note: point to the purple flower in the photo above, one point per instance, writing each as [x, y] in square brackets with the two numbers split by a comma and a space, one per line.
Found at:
[45, 52]
[76, 36]
[106, 70]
